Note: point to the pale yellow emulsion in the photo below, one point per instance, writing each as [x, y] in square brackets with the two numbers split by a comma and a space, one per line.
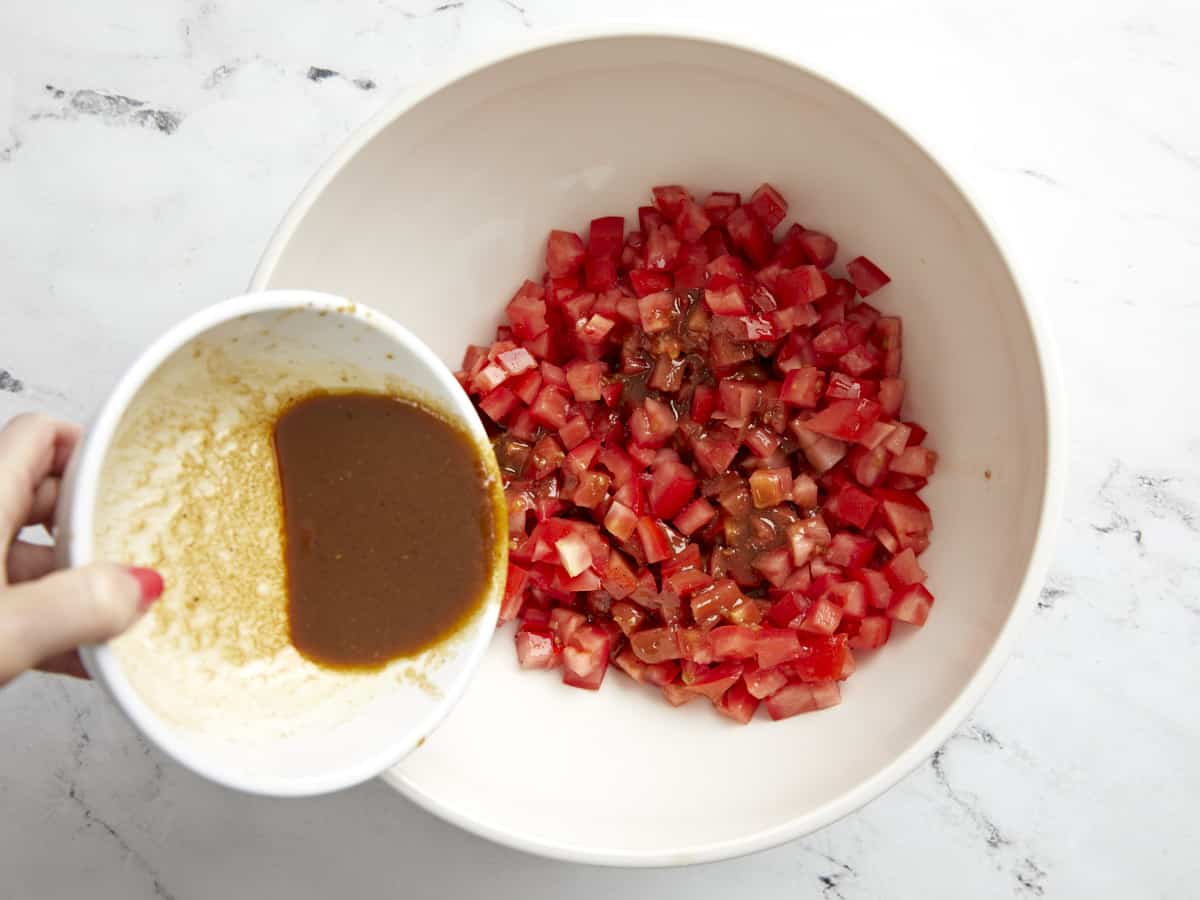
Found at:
[190, 487]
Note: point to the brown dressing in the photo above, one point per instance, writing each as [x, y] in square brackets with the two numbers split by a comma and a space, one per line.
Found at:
[389, 527]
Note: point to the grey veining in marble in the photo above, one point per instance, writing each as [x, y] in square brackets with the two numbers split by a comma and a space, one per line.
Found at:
[146, 153]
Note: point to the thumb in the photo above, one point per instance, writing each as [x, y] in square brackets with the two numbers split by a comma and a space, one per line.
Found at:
[57, 613]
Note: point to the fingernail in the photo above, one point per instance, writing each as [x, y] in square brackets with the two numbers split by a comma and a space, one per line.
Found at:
[151, 584]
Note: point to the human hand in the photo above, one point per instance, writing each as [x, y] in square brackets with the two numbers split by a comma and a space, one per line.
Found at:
[45, 615]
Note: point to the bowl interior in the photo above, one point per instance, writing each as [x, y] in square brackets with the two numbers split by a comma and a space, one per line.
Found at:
[438, 218]
[218, 685]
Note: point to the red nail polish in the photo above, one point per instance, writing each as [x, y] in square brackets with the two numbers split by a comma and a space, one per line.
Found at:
[150, 582]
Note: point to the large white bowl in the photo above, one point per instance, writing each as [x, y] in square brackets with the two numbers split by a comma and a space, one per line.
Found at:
[437, 209]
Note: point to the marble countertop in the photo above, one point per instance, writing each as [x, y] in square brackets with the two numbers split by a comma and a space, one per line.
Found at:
[148, 149]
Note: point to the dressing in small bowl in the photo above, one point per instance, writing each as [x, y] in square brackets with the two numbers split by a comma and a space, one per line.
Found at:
[327, 514]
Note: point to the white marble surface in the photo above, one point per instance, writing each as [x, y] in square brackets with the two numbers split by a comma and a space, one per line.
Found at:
[148, 149]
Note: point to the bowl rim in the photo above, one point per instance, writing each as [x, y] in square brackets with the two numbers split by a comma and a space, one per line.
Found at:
[1054, 474]
[80, 500]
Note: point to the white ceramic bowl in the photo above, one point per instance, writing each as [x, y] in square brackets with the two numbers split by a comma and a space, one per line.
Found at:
[318, 340]
[435, 212]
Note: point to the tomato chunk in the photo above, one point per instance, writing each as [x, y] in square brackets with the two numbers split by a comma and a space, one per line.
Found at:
[708, 480]
[867, 277]
[801, 698]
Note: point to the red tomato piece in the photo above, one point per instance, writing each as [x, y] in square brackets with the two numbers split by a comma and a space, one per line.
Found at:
[649, 281]
[656, 545]
[867, 277]
[738, 703]
[690, 220]
[668, 199]
[801, 698]
[818, 248]
[606, 237]
[911, 605]
[720, 204]
[749, 235]
[715, 681]
[799, 286]
[845, 419]
[768, 204]
[564, 253]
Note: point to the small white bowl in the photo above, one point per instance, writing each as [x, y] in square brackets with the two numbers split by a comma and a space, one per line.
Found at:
[449, 193]
[324, 339]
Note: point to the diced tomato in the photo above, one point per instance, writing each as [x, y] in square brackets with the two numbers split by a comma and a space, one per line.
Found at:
[727, 298]
[878, 590]
[498, 404]
[704, 402]
[891, 396]
[618, 577]
[584, 380]
[536, 650]
[750, 235]
[873, 633]
[802, 387]
[738, 703]
[627, 615]
[564, 623]
[845, 420]
[663, 248]
[653, 423]
[668, 199]
[714, 682]
[671, 487]
[800, 286]
[867, 277]
[656, 545]
[818, 248]
[763, 682]
[585, 658]
[550, 407]
[903, 569]
[896, 442]
[801, 698]
[761, 422]
[906, 516]
[773, 646]
[851, 597]
[723, 599]
[770, 487]
[916, 461]
[852, 506]
[678, 694]
[620, 521]
[690, 220]
[514, 592]
[695, 516]
[654, 645]
[683, 584]
[822, 658]
[650, 281]
[733, 642]
[619, 463]
[911, 604]
[720, 204]
[804, 491]
[768, 204]
[564, 253]
[606, 237]
[822, 617]
[850, 551]
[600, 273]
